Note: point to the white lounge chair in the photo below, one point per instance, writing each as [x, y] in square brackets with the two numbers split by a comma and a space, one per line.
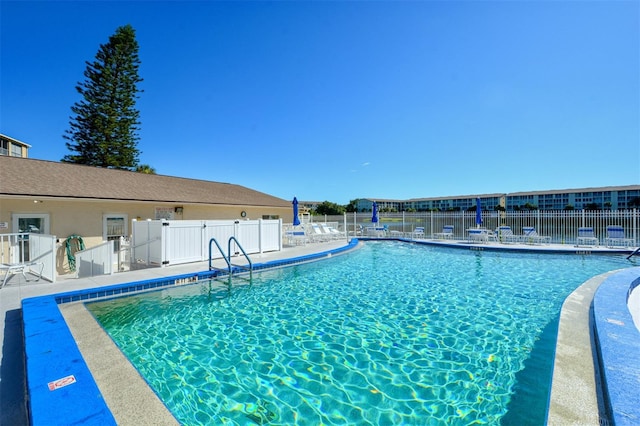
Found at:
[586, 237]
[14, 268]
[376, 231]
[478, 235]
[418, 232]
[506, 235]
[531, 236]
[446, 234]
[316, 233]
[333, 233]
[296, 237]
[616, 237]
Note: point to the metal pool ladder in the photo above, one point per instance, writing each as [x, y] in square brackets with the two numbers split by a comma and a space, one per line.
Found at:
[636, 251]
[231, 268]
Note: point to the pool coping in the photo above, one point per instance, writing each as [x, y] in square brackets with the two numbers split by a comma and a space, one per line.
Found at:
[575, 386]
[61, 388]
[51, 352]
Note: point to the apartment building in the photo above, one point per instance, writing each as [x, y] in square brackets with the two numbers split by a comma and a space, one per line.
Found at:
[13, 148]
[598, 198]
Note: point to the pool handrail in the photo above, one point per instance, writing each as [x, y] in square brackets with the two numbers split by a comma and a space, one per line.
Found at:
[213, 240]
[232, 238]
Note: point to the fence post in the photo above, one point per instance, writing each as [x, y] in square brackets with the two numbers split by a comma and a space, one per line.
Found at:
[344, 224]
[430, 223]
[164, 243]
[635, 225]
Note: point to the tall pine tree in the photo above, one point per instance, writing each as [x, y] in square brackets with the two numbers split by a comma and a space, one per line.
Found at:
[104, 130]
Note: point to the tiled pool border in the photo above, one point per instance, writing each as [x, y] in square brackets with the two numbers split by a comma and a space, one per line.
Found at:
[52, 354]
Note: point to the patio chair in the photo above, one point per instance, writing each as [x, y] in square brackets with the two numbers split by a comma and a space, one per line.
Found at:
[446, 234]
[359, 230]
[332, 232]
[23, 268]
[418, 232]
[506, 235]
[586, 237]
[376, 231]
[616, 237]
[296, 237]
[531, 236]
[317, 234]
[478, 235]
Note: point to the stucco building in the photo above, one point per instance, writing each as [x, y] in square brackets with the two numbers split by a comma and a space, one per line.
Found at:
[98, 204]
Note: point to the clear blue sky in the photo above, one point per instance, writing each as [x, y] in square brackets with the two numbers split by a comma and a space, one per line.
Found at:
[340, 100]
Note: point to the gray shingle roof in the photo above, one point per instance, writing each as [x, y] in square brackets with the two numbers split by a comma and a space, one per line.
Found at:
[29, 177]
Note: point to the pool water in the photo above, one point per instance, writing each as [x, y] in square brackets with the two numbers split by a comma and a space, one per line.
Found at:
[392, 333]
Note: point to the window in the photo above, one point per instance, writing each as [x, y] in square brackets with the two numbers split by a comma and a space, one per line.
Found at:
[30, 222]
[4, 147]
[16, 150]
[114, 226]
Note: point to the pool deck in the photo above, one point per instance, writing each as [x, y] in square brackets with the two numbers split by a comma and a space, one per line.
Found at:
[574, 398]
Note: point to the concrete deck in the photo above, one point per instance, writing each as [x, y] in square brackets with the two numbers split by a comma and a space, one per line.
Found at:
[12, 382]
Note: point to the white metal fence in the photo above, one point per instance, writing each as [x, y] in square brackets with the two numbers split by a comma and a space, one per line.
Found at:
[171, 242]
[561, 225]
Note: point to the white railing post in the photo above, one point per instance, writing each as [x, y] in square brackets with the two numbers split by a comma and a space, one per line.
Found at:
[260, 235]
[430, 224]
[165, 243]
[634, 225]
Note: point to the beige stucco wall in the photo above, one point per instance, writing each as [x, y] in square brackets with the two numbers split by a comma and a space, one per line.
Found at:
[85, 218]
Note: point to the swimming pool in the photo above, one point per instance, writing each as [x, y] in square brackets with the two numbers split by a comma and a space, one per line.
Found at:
[392, 333]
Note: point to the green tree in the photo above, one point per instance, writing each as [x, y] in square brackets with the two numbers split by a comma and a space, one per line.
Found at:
[329, 208]
[146, 169]
[592, 206]
[352, 206]
[103, 131]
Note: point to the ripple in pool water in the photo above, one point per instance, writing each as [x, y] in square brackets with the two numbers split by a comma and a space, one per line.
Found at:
[392, 333]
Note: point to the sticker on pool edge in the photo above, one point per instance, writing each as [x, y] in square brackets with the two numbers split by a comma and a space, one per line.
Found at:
[60, 383]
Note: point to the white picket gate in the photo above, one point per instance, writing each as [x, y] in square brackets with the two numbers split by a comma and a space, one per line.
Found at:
[172, 242]
[97, 260]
